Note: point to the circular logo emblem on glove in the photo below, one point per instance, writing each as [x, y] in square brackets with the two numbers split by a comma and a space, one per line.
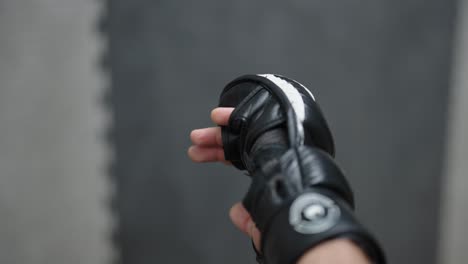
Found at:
[313, 213]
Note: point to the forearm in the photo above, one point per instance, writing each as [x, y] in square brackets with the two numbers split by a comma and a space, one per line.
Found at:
[337, 251]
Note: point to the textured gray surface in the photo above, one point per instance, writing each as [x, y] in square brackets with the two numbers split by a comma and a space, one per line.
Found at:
[378, 68]
[454, 213]
[52, 180]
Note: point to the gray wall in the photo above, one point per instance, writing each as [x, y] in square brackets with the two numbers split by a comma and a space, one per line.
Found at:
[380, 70]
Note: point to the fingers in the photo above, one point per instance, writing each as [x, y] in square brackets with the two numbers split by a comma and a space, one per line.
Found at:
[207, 137]
[207, 142]
[206, 154]
[207, 145]
[242, 220]
[221, 115]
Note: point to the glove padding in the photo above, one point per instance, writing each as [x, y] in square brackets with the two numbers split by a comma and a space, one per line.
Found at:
[299, 197]
[263, 103]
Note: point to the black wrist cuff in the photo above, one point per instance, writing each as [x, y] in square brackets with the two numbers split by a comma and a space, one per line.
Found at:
[310, 219]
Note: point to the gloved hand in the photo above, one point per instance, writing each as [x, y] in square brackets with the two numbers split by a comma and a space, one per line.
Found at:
[299, 197]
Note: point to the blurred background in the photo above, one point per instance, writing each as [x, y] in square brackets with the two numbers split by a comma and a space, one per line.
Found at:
[97, 100]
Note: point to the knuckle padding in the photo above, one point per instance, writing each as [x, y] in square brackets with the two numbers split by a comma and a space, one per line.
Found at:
[233, 132]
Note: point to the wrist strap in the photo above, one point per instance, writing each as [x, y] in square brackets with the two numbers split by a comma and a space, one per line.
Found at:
[312, 218]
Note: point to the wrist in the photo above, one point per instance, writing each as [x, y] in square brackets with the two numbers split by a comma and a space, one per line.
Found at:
[336, 251]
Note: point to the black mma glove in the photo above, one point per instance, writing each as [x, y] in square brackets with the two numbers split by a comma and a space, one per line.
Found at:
[299, 197]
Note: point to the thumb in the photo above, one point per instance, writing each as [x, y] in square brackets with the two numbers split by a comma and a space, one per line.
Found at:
[242, 220]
